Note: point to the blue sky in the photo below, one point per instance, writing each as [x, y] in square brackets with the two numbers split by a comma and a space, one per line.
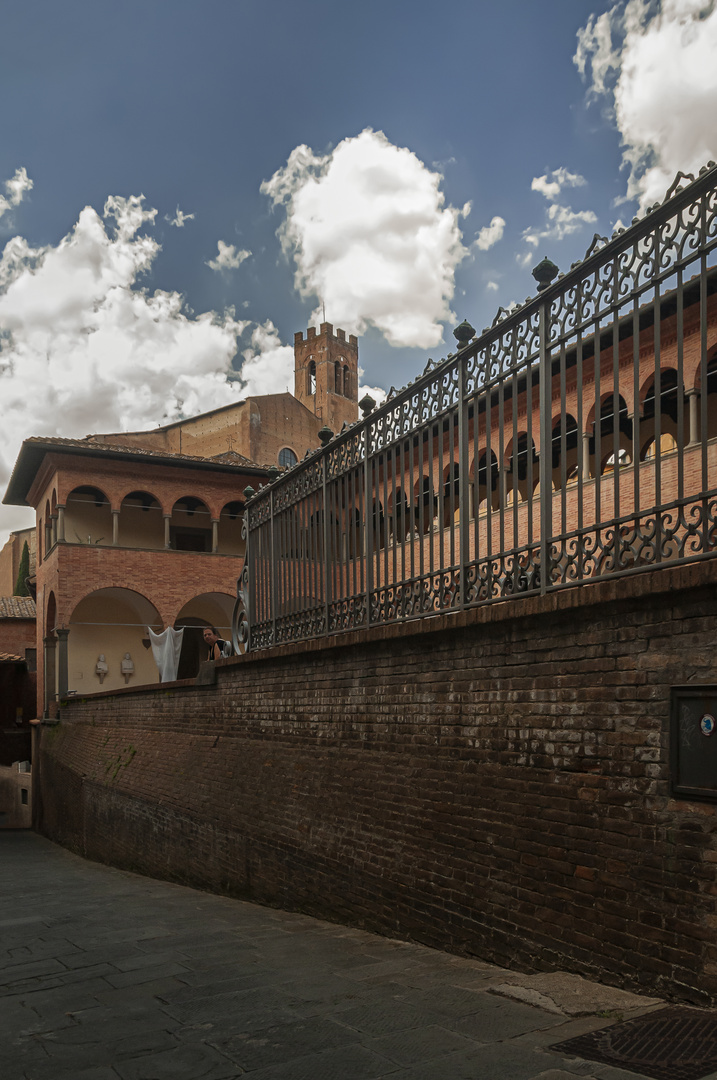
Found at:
[474, 115]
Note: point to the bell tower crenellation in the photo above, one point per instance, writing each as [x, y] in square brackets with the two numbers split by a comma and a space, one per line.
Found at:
[326, 374]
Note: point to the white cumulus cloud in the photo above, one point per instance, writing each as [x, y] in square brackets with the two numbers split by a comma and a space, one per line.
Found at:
[179, 218]
[228, 258]
[268, 366]
[16, 187]
[560, 221]
[84, 348]
[490, 234]
[655, 62]
[551, 184]
[371, 237]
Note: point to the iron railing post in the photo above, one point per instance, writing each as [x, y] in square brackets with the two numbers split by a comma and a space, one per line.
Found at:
[546, 457]
[273, 578]
[325, 516]
[463, 466]
[368, 519]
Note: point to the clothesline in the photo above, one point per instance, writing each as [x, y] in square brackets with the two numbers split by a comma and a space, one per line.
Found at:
[144, 625]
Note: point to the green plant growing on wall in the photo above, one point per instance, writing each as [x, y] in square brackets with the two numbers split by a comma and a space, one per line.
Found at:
[23, 572]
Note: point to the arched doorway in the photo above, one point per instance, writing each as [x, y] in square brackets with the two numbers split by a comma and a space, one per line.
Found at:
[208, 609]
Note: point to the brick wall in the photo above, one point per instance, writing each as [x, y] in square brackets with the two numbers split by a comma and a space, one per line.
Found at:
[494, 783]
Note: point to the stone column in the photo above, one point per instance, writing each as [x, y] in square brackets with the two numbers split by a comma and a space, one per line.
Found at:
[215, 535]
[586, 455]
[60, 524]
[115, 527]
[503, 487]
[693, 398]
[62, 667]
[167, 519]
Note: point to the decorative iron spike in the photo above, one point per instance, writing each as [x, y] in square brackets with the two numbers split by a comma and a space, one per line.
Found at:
[500, 314]
[391, 393]
[428, 366]
[674, 186]
[596, 240]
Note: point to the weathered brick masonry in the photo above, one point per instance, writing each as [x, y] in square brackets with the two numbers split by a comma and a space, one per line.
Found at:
[494, 784]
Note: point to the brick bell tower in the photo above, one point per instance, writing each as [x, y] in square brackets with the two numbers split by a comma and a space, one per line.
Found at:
[326, 374]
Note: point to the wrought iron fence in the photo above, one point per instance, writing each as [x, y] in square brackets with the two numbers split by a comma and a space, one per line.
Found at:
[575, 439]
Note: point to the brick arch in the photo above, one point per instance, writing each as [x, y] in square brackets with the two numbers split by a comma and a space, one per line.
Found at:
[604, 397]
[711, 360]
[119, 587]
[133, 489]
[649, 381]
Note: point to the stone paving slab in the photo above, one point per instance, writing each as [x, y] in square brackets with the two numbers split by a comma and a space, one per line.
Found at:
[105, 975]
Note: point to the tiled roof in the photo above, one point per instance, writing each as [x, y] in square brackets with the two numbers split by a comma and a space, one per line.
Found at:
[17, 607]
[228, 458]
[10, 658]
[33, 450]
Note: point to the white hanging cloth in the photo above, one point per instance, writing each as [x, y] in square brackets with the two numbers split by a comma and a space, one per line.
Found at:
[166, 648]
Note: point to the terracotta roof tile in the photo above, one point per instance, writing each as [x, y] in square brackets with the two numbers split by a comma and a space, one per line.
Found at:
[17, 607]
[228, 458]
[10, 658]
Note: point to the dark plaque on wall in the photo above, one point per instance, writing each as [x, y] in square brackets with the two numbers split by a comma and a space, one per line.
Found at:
[693, 741]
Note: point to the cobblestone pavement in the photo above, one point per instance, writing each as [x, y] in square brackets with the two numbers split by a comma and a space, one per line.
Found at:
[109, 976]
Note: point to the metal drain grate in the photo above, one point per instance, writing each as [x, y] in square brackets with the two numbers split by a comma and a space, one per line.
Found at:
[675, 1043]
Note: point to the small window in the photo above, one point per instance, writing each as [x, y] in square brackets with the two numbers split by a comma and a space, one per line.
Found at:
[23, 796]
[311, 377]
[287, 457]
[31, 659]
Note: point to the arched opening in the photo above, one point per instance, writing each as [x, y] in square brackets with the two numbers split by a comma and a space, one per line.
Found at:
[487, 483]
[711, 383]
[667, 405]
[337, 377]
[523, 470]
[398, 515]
[378, 525]
[426, 504]
[354, 533]
[50, 653]
[311, 377]
[606, 424]
[108, 646]
[231, 517]
[141, 524]
[207, 609]
[88, 519]
[47, 527]
[347, 385]
[190, 527]
[565, 439]
[451, 494]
